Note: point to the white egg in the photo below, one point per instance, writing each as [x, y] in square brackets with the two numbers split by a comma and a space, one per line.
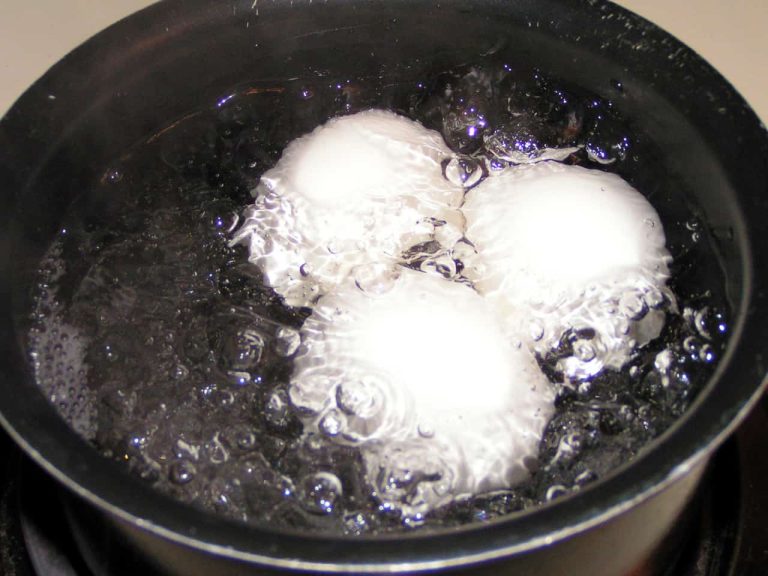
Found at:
[358, 190]
[562, 251]
[422, 378]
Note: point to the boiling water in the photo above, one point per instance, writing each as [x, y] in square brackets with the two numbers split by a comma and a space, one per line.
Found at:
[159, 342]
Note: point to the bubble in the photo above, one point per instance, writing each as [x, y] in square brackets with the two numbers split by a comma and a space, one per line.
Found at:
[276, 411]
[496, 166]
[138, 441]
[182, 472]
[113, 176]
[414, 520]
[709, 323]
[426, 430]
[335, 247]
[443, 266]
[626, 413]
[692, 346]
[556, 491]
[225, 496]
[707, 354]
[633, 306]
[311, 394]
[623, 326]
[585, 477]
[584, 351]
[356, 524]
[664, 361]
[569, 446]
[408, 478]
[216, 450]
[362, 397]
[332, 423]
[195, 347]
[287, 341]
[462, 171]
[321, 493]
[654, 297]
[606, 146]
[180, 372]
[244, 351]
[536, 331]
[110, 353]
[239, 378]
[185, 449]
[363, 401]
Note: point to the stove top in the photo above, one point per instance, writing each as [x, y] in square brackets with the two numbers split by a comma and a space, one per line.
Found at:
[723, 533]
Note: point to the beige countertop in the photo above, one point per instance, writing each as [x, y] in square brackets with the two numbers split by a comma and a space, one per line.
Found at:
[34, 34]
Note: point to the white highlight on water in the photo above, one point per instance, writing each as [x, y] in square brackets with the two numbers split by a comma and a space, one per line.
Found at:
[563, 248]
[422, 378]
[358, 190]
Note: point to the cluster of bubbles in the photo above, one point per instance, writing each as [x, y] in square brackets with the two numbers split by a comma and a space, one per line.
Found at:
[57, 351]
[358, 198]
[178, 360]
[334, 222]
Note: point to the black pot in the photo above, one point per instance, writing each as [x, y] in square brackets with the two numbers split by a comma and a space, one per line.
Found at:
[153, 68]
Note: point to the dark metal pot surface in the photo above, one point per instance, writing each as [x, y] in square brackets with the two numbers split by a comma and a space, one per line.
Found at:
[144, 72]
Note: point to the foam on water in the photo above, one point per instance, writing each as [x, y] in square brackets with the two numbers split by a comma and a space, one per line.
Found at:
[567, 253]
[360, 189]
[423, 380]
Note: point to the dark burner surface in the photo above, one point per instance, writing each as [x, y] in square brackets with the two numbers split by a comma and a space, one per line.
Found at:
[727, 524]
